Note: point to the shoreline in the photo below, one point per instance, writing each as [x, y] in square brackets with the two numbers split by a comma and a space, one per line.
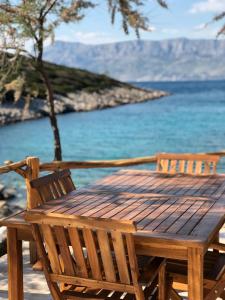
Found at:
[77, 102]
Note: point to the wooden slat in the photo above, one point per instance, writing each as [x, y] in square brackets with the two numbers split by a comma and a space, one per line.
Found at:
[165, 165]
[92, 283]
[45, 193]
[120, 255]
[190, 165]
[92, 253]
[182, 166]
[51, 248]
[68, 262]
[132, 258]
[79, 221]
[173, 166]
[104, 246]
[198, 167]
[59, 188]
[206, 167]
[78, 252]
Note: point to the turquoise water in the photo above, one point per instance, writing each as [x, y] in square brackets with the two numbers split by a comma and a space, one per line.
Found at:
[191, 119]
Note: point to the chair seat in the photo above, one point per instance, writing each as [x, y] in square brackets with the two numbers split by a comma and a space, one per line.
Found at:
[214, 266]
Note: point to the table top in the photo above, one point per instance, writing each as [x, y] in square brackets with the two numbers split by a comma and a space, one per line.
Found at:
[187, 209]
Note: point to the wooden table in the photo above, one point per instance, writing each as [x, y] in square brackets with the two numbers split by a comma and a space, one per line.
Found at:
[177, 217]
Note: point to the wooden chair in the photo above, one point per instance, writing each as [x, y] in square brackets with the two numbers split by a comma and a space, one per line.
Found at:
[193, 164]
[53, 186]
[48, 188]
[214, 274]
[95, 257]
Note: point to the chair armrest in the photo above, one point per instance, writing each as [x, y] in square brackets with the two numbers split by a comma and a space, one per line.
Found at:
[217, 246]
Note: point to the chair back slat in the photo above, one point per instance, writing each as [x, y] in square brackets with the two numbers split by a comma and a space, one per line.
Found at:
[190, 167]
[132, 258]
[51, 248]
[207, 166]
[53, 186]
[193, 164]
[106, 254]
[181, 166]
[198, 167]
[45, 193]
[67, 184]
[67, 260]
[92, 253]
[81, 267]
[73, 248]
[120, 255]
[173, 166]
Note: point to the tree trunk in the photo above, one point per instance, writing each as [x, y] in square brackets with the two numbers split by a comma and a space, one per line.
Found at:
[52, 115]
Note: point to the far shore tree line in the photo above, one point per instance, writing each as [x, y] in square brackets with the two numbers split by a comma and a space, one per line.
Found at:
[34, 22]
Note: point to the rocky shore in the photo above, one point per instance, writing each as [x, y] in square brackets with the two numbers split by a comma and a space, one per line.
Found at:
[76, 102]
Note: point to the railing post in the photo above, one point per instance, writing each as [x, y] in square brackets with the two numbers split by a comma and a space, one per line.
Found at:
[32, 173]
[32, 197]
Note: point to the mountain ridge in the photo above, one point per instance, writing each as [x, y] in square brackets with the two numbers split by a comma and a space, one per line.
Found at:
[145, 60]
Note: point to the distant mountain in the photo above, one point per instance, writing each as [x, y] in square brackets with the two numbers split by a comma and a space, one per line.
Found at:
[175, 59]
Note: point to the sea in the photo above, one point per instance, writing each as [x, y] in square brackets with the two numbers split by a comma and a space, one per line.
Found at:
[190, 119]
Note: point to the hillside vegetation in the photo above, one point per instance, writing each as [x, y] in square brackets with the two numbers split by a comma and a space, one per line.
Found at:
[64, 80]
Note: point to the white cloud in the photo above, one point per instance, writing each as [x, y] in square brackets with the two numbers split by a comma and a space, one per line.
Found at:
[201, 26]
[214, 6]
[86, 37]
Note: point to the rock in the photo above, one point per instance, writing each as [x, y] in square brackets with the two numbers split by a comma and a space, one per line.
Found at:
[3, 241]
[1, 191]
[2, 203]
[1, 187]
[7, 209]
[3, 247]
[9, 193]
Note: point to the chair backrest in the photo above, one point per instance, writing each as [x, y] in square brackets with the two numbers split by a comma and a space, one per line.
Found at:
[53, 186]
[84, 251]
[193, 164]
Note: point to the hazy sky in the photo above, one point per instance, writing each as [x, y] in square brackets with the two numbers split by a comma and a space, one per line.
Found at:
[185, 18]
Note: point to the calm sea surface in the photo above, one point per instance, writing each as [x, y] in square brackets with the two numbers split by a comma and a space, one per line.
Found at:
[192, 119]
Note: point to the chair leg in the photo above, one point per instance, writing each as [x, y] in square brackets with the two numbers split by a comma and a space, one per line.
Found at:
[162, 283]
[33, 252]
